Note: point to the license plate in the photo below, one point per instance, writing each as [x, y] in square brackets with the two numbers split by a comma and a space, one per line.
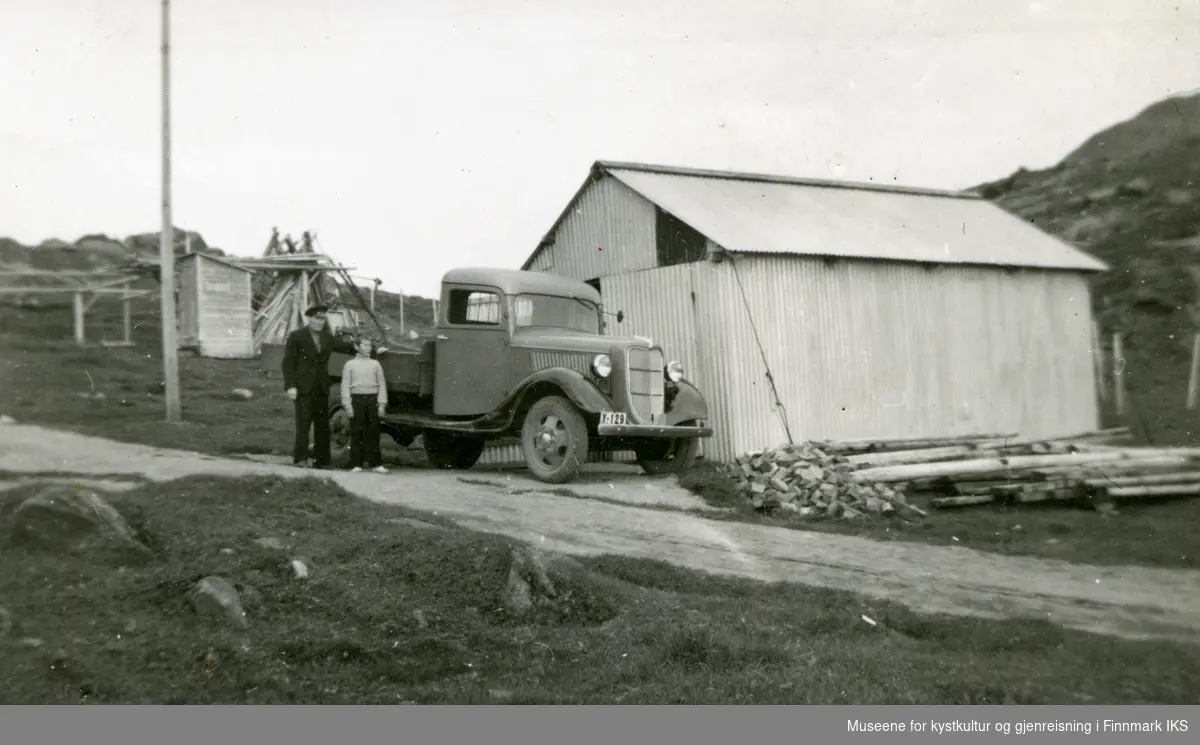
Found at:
[612, 417]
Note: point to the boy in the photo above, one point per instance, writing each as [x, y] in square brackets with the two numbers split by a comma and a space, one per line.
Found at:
[364, 394]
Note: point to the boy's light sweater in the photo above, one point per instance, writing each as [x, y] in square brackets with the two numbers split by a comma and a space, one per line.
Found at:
[363, 375]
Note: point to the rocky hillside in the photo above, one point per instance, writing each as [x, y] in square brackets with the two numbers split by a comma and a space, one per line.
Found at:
[100, 252]
[93, 252]
[1130, 195]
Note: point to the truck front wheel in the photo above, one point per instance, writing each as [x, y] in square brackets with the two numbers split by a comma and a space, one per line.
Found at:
[450, 452]
[659, 457]
[554, 440]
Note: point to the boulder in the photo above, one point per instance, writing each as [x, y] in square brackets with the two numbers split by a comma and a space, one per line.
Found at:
[216, 597]
[528, 582]
[72, 518]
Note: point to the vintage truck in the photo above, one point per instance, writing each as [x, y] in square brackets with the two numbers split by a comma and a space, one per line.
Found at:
[525, 355]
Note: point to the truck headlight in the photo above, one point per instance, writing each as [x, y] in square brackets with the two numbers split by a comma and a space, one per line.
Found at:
[673, 371]
[602, 365]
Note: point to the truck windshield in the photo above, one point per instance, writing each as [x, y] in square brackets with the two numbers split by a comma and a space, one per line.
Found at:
[548, 311]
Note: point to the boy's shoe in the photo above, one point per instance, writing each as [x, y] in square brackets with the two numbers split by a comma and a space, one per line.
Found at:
[379, 469]
[356, 469]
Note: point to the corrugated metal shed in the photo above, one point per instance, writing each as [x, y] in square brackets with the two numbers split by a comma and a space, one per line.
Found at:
[939, 314]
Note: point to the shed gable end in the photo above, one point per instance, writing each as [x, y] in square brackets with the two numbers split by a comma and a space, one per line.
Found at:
[610, 229]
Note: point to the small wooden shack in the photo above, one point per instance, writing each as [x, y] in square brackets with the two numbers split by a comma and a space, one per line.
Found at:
[215, 315]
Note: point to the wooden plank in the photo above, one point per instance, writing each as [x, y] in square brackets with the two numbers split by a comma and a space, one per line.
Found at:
[1169, 490]
[1004, 466]
[79, 314]
[1098, 361]
[1118, 373]
[963, 501]
[1194, 375]
[1178, 477]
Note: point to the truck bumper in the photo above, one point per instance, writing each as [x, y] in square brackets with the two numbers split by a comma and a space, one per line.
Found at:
[652, 430]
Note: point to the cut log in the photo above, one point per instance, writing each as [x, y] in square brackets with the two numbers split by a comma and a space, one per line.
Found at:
[1166, 463]
[916, 443]
[921, 455]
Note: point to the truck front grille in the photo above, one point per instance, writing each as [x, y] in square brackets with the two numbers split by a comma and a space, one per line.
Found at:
[646, 385]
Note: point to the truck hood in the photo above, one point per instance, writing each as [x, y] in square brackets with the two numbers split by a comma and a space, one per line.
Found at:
[566, 340]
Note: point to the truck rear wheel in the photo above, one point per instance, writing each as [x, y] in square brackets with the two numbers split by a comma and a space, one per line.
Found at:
[450, 452]
[659, 457]
[339, 429]
[554, 440]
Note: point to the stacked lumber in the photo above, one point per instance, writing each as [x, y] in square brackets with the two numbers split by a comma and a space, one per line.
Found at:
[849, 479]
[1084, 468]
[288, 279]
[807, 480]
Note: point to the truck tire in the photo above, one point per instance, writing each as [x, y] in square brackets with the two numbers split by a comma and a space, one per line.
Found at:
[554, 440]
[450, 452]
[339, 429]
[660, 457]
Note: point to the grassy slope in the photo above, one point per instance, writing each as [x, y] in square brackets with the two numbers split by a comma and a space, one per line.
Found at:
[632, 631]
[1087, 200]
[45, 379]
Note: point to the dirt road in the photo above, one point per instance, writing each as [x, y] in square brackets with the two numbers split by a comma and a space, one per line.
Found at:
[1131, 602]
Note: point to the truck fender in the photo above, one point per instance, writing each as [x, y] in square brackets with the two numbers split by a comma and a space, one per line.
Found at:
[581, 391]
[689, 404]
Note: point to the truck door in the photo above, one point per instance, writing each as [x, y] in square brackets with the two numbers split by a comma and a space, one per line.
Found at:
[471, 357]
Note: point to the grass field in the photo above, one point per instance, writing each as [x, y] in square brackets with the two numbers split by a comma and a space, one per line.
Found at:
[395, 611]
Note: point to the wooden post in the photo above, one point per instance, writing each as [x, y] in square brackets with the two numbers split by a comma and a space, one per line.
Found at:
[402, 314]
[1119, 372]
[1194, 378]
[371, 299]
[166, 248]
[303, 292]
[434, 303]
[127, 314]
[1098, 360]
[80, 335]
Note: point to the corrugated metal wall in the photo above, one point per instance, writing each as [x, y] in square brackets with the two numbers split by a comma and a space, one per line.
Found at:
[658, 303]
[610, 231]
[881, 349]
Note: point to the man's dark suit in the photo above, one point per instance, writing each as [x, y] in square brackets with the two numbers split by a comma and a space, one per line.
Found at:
[306, 368]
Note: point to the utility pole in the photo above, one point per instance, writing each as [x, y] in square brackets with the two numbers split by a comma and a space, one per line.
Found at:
[166, 253]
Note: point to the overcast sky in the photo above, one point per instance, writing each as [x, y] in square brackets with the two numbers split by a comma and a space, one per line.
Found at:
[418, 136]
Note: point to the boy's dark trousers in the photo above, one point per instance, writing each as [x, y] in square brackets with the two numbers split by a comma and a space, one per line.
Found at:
[364, 431]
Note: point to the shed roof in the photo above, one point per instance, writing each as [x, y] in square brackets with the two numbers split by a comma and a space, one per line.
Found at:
[515, 282]
[755, 213]
[217, 259]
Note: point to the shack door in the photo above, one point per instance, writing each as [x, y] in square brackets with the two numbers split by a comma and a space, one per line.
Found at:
[471, 356]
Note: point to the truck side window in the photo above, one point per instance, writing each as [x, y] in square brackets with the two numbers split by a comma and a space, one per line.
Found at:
[473, 308]
[523, 310]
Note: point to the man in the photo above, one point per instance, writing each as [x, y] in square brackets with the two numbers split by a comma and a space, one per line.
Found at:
[306, 379]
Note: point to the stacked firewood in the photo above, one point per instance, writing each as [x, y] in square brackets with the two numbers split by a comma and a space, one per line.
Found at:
[811, 481]
[848, 479]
